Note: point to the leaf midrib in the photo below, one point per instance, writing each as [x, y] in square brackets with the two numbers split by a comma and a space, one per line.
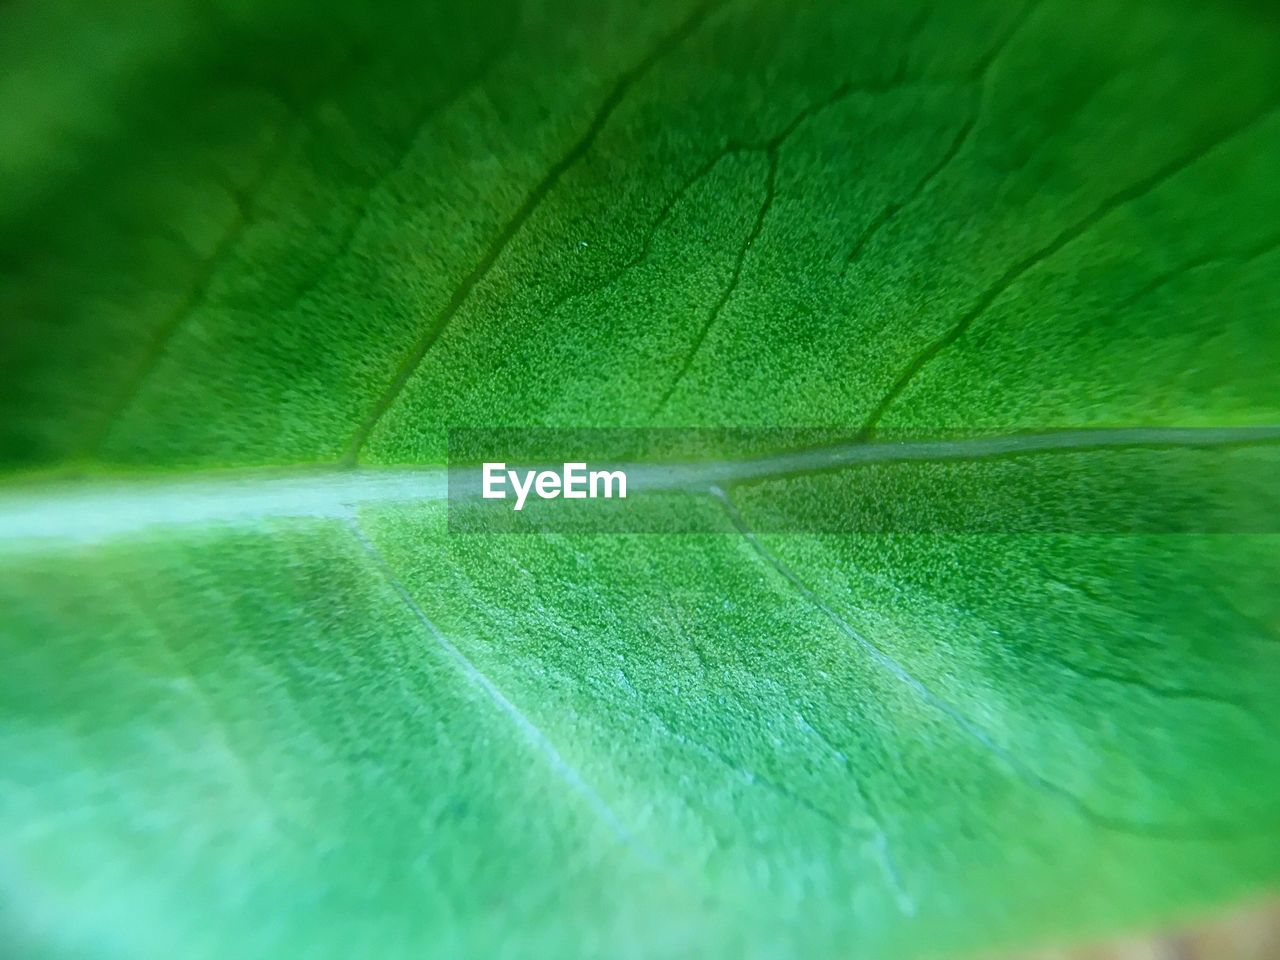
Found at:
[102, 508]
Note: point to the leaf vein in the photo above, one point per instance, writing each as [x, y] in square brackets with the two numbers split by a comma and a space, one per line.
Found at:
[528, 729]
[976, 733]
[727, 293]
[533, 200]
[1024, 266]
[979, 75]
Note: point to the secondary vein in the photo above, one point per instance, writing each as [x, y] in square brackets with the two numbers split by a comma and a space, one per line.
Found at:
[531, 203]
[527, 727]
[977, 734]
[1080, 228]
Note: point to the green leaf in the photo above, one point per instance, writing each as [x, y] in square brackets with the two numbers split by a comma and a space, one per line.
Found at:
[257, 258]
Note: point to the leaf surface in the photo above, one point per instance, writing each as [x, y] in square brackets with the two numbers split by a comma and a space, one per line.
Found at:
[281, 710]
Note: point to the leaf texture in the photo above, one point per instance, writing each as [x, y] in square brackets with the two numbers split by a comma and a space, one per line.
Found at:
[257, 259]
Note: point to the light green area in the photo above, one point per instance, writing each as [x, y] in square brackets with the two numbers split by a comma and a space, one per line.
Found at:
[374, 737]
[247, 234]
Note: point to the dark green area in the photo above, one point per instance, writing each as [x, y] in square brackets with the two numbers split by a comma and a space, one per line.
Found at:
[266, 234]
